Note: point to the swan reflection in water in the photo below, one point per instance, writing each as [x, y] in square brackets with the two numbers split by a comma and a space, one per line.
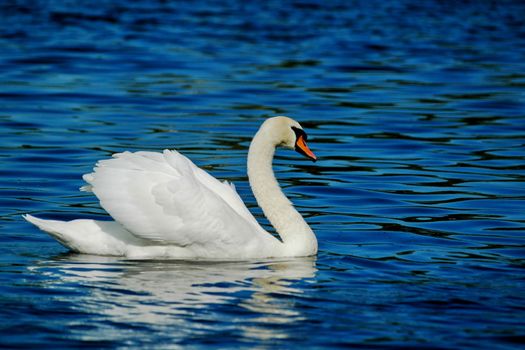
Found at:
[189, 297]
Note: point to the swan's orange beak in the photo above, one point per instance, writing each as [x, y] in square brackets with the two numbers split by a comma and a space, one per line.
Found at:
[302, 147]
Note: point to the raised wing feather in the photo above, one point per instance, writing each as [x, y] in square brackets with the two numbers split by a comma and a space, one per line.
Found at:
[165, 198]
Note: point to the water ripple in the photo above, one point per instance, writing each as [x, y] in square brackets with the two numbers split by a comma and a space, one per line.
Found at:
[416, 111]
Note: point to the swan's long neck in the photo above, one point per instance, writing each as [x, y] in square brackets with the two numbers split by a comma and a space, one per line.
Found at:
[297, 236]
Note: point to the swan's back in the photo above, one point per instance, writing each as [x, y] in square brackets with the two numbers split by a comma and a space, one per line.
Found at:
[164, 200]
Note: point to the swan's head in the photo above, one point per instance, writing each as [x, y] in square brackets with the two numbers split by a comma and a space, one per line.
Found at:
[288, 133]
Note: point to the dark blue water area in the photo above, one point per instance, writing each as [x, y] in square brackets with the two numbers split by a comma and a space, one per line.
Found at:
[416, 111]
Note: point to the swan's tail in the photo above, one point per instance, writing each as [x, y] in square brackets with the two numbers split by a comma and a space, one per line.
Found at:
[57, 229]
[87, 236]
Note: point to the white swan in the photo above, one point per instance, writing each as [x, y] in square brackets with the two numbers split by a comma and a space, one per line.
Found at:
[164, 206]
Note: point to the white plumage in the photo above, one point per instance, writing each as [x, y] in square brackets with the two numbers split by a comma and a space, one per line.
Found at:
[164, 206]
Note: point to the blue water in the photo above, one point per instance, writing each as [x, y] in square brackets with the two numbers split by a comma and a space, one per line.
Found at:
[416, 111]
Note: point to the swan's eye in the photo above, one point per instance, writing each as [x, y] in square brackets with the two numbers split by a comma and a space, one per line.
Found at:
[299, 133]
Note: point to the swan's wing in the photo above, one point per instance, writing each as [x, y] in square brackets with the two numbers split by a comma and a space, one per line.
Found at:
[165, 198]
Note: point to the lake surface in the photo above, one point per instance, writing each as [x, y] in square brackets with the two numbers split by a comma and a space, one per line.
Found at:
[416, 112]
